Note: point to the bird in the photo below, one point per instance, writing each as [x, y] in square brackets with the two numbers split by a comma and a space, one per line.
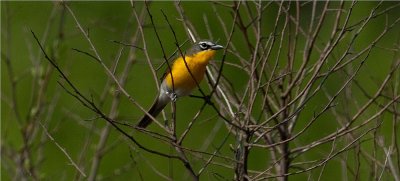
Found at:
[185, 73]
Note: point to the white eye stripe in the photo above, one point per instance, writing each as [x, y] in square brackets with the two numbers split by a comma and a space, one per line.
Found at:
[205, 45]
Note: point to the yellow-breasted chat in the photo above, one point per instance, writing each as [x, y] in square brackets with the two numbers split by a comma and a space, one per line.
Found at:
[182, 77]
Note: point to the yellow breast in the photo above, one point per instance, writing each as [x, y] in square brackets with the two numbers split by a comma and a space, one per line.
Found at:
[184, 80]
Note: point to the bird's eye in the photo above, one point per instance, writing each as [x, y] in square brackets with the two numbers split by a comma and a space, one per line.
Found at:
[204, 46]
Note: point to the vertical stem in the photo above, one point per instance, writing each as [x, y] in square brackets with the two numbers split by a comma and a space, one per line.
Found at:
[242, 152]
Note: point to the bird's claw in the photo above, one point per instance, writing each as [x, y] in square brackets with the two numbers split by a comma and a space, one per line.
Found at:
[172, 96]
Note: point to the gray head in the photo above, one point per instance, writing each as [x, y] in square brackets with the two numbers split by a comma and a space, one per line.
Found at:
[204, 45]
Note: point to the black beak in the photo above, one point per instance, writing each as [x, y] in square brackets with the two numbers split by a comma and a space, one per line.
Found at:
[216, 47]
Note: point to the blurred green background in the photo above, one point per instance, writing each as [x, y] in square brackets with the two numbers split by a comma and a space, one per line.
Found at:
[77, 129]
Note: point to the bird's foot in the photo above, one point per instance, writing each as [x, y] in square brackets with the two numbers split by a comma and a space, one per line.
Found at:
[172, 96]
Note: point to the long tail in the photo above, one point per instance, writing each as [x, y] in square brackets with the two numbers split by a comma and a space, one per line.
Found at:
[157, 107]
